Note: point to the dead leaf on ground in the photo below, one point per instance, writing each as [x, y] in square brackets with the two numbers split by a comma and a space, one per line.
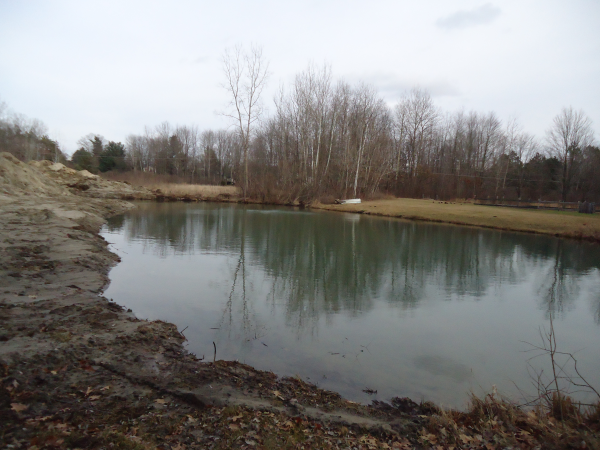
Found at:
[161, 401]
[367, 440]
[402, 445]
[86, 366]
[18, 407]
[287, 425]
[466, 439]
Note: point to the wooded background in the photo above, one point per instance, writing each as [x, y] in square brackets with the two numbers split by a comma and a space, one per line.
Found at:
[329, 139]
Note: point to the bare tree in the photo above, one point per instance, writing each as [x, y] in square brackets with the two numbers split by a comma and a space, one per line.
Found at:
[208, 141]
[571, 132]
[525, 149]
[422, 116]
[401, 119]
[246, 75]
[3, 111]
[136, 151]
[188, 136]
[366, 109]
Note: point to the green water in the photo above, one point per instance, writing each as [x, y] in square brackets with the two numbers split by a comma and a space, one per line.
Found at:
[351, 302]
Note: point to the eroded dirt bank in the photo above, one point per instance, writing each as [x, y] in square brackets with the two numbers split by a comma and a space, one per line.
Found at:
[78, 371]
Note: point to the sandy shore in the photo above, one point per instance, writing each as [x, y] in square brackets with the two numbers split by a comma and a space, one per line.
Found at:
[79, 371]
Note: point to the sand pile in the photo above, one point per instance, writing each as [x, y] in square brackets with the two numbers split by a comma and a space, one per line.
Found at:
[19, 178]
[90, 185]
[44, 178]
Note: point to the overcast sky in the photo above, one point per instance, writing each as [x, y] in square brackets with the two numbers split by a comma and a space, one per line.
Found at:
[114, 67]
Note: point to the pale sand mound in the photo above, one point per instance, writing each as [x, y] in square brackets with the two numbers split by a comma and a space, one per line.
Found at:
[55, 179]
[86, 174]
[18, 178]
[90, 185]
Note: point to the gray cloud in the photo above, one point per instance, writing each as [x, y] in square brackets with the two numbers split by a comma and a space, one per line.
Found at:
[463, 19]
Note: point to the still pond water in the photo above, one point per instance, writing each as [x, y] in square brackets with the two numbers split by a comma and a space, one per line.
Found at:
[351, 302]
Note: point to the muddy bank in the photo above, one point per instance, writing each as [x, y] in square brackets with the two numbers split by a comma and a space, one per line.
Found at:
[79, 371]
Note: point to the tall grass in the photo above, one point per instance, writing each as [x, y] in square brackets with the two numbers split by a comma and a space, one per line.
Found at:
[197, 190]
[145, 179]
[493, 422]
[174, 186]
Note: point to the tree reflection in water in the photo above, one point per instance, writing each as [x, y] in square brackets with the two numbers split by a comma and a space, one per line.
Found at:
[439, 309]
[320, 265]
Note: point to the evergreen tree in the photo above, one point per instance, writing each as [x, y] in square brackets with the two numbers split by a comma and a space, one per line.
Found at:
[112, 157]
[83, 160]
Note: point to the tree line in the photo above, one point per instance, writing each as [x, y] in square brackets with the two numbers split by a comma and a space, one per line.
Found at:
[328, 139]
[27, 139]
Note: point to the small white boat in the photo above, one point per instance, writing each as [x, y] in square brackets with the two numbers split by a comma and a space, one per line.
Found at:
[350, 201]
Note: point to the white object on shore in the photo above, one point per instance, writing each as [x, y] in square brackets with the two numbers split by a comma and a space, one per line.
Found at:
[350, 201]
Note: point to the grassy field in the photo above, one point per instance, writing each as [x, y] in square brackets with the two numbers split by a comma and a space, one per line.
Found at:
[557, 223]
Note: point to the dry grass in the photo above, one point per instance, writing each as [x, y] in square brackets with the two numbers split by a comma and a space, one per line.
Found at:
[493, 422]
[145, 179]
[196, 190]
[557, 223]
[175, 187]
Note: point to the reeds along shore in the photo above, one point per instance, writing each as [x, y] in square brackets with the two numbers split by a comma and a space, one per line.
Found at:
[496, 423]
